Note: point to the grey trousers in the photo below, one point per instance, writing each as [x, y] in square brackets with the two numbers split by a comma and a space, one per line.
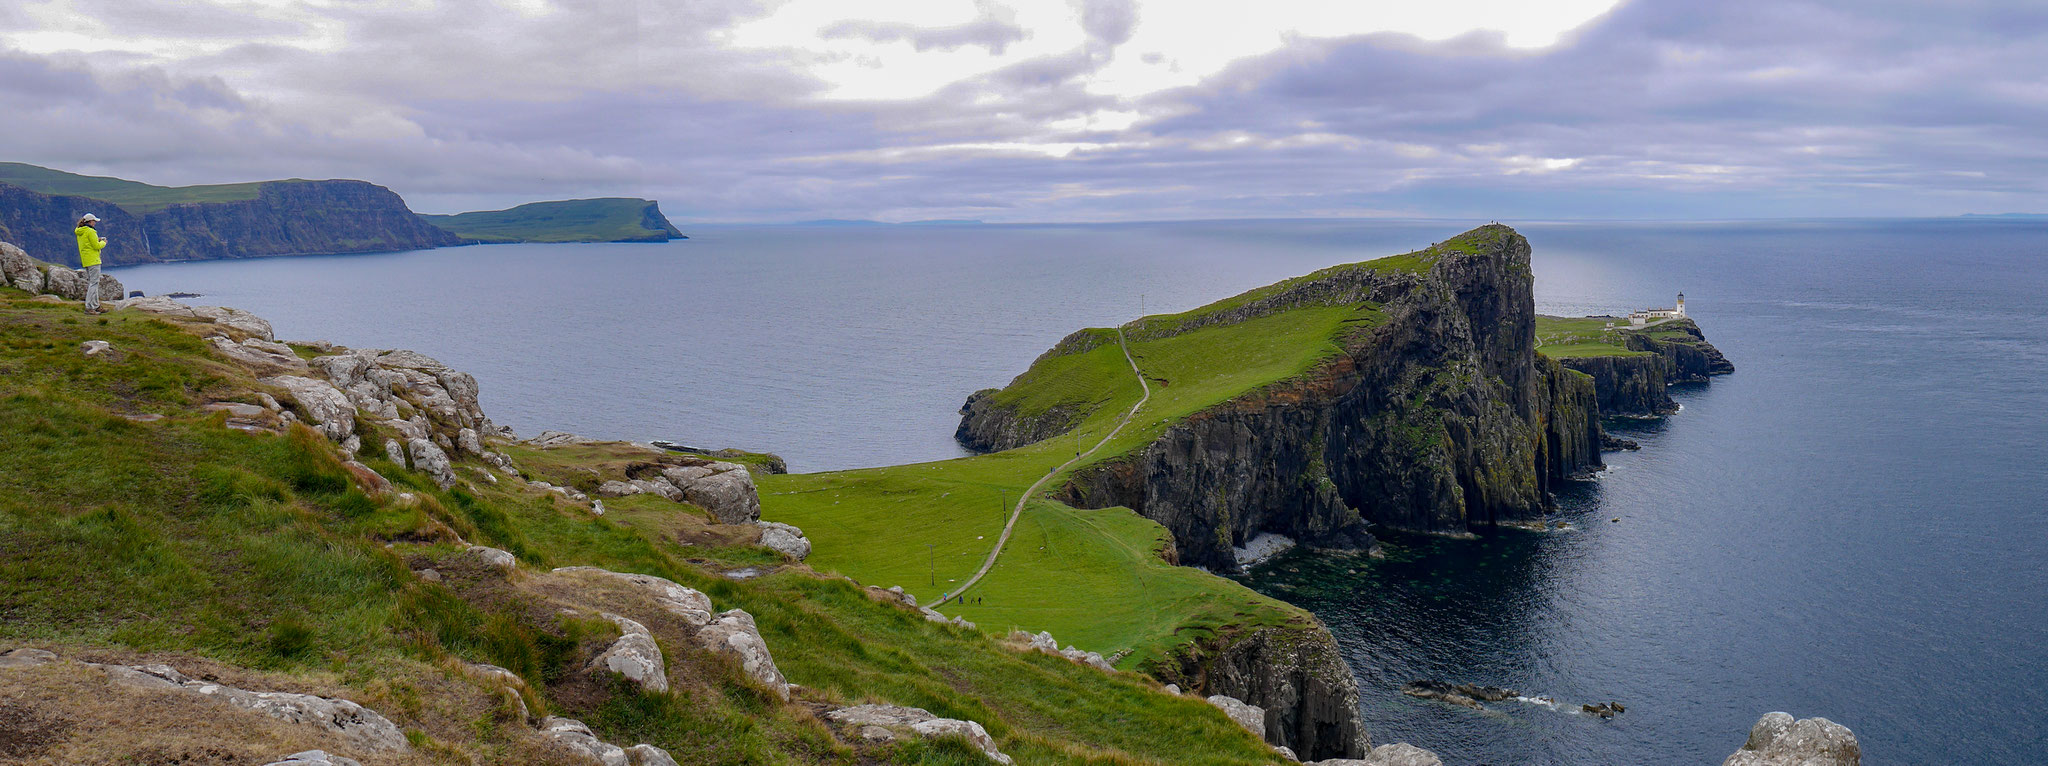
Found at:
[92, 287]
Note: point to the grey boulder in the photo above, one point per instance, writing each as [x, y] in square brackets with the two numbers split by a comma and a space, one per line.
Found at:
[314, 758]
[734, 633]
[1251, 717]
[785, 539]
[634, 655]
[918, 721]
[323, 405]
[19, 270]
[428, 458]
[1778, 740]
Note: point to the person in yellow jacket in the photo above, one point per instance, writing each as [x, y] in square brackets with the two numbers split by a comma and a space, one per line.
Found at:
[90, 243]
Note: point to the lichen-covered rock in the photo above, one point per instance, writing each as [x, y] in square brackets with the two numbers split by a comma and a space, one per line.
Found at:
[372, 483]
[691, 605]
[95, 347]
[572, 734]
[734, 633]
[617, 489]
[649, 755]
[1251, 717]
[501, 559]
[260, 355]
[785, 539]
[314, 758]
[918, 721]
[634, 655]
[324, 406]
[63, 283]
[235, 319]
[19, 270]
[1397, 754]
[1778, 740]
[428, 458]
[728, 493]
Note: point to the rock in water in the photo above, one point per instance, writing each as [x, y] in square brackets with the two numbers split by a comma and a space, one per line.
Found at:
[1777, 740]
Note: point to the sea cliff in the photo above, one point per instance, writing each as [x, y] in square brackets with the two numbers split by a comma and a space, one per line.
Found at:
[1630, 378]
[1440, 417]
[282, 218]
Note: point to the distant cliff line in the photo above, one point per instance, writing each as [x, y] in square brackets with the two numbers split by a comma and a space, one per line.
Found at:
[154, 224]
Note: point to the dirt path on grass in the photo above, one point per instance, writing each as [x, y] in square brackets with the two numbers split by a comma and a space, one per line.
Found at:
[1018, 511]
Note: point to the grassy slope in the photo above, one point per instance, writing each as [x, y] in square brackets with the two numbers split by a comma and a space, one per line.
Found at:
[185, 537]
[133, 196]
[1092, 577]
[1567, 337]
[609, 219]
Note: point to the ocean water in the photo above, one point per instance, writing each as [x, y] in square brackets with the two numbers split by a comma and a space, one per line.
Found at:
[1850, 526]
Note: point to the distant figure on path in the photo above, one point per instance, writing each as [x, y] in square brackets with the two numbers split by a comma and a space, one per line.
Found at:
[90, 243]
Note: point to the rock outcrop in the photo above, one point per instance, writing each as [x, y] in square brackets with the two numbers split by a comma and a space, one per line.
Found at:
[1296, 675]
[283, 218]
[919, 722]
[1398, 754]
[354, 724]
[21, 271]
[785, 539]
[634, 655]
[1777, 740]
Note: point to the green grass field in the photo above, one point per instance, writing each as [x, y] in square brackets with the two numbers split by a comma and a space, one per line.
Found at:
[187, 539]
[1093, 578]
[611, 219]
[133, 196]
[1568, 337]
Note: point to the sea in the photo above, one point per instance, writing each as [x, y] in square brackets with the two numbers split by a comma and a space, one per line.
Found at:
[1853, 525]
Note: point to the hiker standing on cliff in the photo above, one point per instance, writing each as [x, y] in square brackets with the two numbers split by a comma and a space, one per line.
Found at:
[90, 243]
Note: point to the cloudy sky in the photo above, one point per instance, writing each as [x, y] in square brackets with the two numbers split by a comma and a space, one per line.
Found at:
[1049, 110]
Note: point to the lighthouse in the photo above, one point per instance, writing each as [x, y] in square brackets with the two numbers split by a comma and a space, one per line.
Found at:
[1680, 310]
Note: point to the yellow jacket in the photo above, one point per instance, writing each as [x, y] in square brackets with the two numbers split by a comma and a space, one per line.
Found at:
[90, 243]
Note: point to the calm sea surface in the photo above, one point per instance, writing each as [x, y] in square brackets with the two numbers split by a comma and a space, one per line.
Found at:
[1850, 526]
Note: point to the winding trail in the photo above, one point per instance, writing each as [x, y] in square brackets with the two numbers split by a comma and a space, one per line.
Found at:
[1018, 511]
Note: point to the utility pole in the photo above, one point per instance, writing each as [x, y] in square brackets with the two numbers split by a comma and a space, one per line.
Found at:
[931, 567]
[1003, 512]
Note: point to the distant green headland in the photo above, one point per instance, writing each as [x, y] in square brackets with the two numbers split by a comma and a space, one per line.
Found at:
[145, 223]
[608, 219]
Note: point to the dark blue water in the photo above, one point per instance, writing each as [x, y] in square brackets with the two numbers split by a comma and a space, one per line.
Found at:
[1851, 526]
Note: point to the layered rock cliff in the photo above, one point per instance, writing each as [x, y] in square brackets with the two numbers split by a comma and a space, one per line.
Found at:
[1295, 674]
[1634, 385]
[1440, 418]
[284, 218]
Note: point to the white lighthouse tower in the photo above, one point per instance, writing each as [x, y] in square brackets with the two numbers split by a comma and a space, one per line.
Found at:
[1680, 310]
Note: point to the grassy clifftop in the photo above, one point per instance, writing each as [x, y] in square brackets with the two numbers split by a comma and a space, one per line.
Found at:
[133, 196]
[137, 526]
[611, 219]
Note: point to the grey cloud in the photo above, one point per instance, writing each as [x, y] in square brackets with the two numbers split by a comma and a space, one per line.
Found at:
[1669, 109]
[1109, 22]
[986, 31]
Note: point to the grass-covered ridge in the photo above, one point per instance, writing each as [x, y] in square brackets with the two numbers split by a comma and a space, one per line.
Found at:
[610, 219]
[1575, 337]
[1095, 578]
[179, 540]
[134, 196]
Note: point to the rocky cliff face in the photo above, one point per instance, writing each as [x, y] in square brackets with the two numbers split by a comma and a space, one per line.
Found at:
[286, 218]
[1627, 386]
[1635, 386]
[293, 218]
[1688, 357]
[1442, 418]
[42, 224]
[1296, 674]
